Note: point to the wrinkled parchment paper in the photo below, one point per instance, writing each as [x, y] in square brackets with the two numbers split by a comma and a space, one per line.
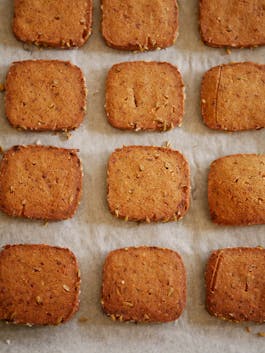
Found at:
[93, 231]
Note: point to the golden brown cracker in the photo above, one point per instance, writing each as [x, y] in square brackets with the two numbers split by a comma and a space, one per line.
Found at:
[148, 183]
[45, 95]
[144, 284]
[235, 24]
[57, 23]
[139, 25]
[235, 286]
[144, 96]
[233, 97]
[40, 182]
[39, 284]
[236, 189]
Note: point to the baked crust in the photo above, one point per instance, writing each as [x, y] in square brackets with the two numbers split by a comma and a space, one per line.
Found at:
[40, 182]
[235, 286]
[236, 24]
[45, 95]
[144, 284]
[39, 284]
[139, 25]
[236, 189]
[144, 96]
[148, 183]
[60, 24]
[233, 97]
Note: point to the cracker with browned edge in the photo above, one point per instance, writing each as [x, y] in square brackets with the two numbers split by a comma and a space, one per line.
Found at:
[139, 25]
[237, 24]
[236, 189]
[39, 284]
[144, 96]
[148, 183]
[233, 97]
[57, 23]
[45, 95]
[144, 284]
[235, 284]
[40, 182]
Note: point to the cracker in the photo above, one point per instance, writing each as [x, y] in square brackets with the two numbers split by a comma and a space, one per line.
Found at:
[139, 25]
[45, 95]
[144, 284]
[39, 284]
[236, 189]
[144, 96]
[236, 23]
[235, 285]
[148, 183]
[57, 23]
[233, 97]
[40, 182]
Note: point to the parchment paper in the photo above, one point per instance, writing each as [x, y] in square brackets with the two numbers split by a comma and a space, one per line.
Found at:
[93, 232]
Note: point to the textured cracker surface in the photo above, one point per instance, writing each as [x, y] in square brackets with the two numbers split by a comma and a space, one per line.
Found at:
[40, 182]
[148, 183]
[144, 96]
[139, 25]
[236, 189]
[234, 23]
[39, 284]
[144, 284]
[45, 95]
[235, 284]
[233, 97]
[57, 23]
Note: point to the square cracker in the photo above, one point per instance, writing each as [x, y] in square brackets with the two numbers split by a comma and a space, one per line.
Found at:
[144, 284]
[144, 96]
[148, 183]
[233, 97]
[235, 284]
[139, 25]
[233, 23]
[44, 95]
[57, 23]
[236, 189]
[39, 284]
[40, 182]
